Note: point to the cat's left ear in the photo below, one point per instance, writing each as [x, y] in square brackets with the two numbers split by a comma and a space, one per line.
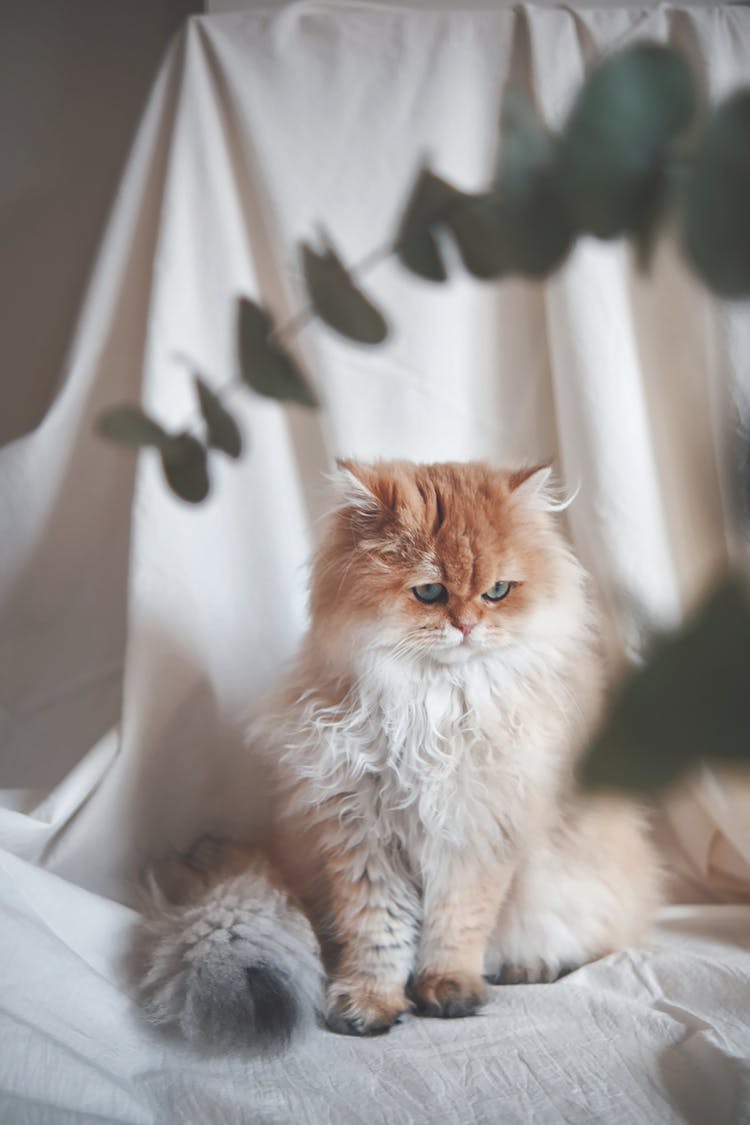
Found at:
[533, 487]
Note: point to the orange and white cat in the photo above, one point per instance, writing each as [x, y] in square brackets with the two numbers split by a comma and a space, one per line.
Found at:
[428, 835]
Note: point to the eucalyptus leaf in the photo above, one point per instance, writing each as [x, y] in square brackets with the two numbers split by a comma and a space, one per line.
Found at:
[528, 148]
[617, 142]
[337, 300]
[264, 365]
[521, 225]
[131, 426]
[222, 430]
[689, 703]
[481, 229]
[185, 464]
[716, 200]
[431, 201]
[539, 229]
[656, 196]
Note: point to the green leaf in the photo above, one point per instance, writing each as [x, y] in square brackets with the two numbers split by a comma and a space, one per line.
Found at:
[716, 200]
[129, 425]
[183, 457]
[223, 432]
[481, 230]
[265, 366]
[432, 199]
[528, 148]
[539, 226]
[616, 145]
[522, 225]
[185, 464]
[496, 237]
[519, 226]
[337, 300]
[541, 233]
[657, 193]
[689, 703]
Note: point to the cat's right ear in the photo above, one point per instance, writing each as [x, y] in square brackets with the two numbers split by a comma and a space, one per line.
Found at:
[352, 482]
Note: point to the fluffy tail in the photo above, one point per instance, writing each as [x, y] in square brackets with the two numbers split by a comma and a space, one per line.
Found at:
[236, 962]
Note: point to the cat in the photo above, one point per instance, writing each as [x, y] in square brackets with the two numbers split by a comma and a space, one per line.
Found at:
[428, 833]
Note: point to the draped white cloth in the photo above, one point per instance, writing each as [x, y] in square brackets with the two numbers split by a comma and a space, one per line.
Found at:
[136, 631]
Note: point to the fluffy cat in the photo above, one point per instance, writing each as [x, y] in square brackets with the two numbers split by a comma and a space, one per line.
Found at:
[428, 835]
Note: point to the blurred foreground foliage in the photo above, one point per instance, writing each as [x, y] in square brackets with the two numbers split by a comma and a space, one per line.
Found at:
[690, 701]
[638, 153]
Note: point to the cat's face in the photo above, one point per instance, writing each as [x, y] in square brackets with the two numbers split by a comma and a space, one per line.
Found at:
[447, 562]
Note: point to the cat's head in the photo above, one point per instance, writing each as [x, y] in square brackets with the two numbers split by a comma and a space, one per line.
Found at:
[444, 563]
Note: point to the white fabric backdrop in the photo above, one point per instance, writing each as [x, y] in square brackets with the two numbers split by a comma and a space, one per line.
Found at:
[137, 631]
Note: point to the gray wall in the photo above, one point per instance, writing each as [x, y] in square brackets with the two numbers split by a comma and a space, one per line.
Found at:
[74, 76]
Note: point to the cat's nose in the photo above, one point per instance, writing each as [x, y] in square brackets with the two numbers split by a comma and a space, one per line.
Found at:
[466, 627]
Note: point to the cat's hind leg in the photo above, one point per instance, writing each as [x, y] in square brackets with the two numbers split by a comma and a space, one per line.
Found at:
[588, 889]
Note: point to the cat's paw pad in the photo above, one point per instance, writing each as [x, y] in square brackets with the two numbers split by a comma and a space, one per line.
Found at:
[355, 1011]
[532, 972]
[448, 995]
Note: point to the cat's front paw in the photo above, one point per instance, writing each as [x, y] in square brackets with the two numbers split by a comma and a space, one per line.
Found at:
[448, 995]
[532, 972]
[356, 1010]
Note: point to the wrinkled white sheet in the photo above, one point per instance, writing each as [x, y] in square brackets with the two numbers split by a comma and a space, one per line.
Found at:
[658, 1035]
[137, 631]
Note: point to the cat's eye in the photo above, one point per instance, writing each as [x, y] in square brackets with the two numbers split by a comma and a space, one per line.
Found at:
[430, 593]
[497, 592]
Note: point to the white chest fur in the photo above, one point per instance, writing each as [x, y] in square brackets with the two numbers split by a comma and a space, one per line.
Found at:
[430, 755]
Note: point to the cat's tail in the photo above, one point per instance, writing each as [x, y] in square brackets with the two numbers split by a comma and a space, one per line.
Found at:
[235, 962]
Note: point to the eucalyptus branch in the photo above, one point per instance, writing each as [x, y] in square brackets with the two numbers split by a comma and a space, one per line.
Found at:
[632, 154]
